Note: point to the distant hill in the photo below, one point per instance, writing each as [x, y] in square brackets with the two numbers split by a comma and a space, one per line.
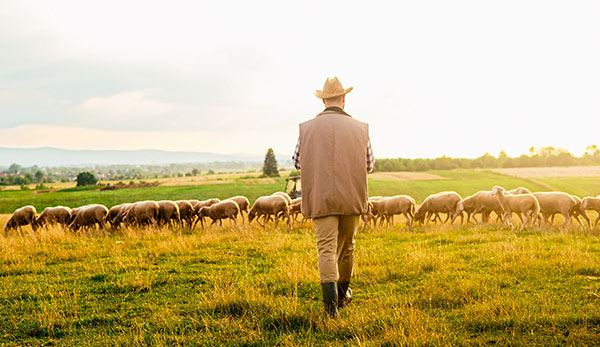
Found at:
[48, 157]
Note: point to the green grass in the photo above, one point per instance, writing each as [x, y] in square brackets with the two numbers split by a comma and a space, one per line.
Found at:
[246, 286]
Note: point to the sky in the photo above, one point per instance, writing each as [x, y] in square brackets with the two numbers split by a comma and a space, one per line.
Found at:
[432, 78]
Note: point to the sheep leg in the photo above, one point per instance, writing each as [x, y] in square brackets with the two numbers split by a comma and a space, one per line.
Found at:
[276, 221]
[596, 223]
[408, 219]
[437, 217]
[447, 218]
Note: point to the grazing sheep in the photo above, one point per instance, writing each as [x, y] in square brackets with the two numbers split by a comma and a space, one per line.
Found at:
[577, 211]
[399, 204]
[517, 191]
[54, 215]
[142, 213]
[295, 209]
[487, 203]
[168, 210]
[22, 216]
[371, 214]
[433, 205]
[199, 204]
[186, 212]
[523, 203]
[552, 203]
[469, 206]
[273, 205]
[116, 214]
[88, 216]
[285, 195]
[219, 211]
[591, 203]
[243, 203]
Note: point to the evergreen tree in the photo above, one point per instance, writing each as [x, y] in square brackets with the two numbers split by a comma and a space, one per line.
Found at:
[270, 165]
[86, 179]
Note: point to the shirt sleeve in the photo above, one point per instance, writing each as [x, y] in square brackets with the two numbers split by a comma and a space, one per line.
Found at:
[296, 156]
[370, 157]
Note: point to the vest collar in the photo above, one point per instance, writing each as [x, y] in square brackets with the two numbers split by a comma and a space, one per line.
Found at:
[335, 109]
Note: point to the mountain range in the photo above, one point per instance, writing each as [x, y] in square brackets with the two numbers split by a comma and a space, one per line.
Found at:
[52, 157]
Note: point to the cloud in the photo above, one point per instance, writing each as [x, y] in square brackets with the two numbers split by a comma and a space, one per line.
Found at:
[132, 104]
[71, 137]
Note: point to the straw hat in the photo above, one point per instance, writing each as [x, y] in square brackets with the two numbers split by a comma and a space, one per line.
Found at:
[332, 88]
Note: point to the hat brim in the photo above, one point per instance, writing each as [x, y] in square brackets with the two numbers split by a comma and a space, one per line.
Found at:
[319, 94]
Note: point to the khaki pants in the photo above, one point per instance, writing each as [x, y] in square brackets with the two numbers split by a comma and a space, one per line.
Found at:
[335, 243]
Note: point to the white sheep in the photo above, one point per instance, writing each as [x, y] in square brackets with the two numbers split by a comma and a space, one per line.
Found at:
[22, 216]
[591, 203]
[274, 205]
[399, 204]
[523, 203]
[552, 203]
[433, 205]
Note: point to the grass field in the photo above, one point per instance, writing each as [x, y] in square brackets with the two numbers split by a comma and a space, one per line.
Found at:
[444, 285]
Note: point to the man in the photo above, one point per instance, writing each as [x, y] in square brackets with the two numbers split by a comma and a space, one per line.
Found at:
[334, 155]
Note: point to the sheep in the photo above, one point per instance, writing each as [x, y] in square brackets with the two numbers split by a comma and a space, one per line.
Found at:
[22, 216]
[487, 203]
[142, 213]
[243, 203]
[285, 195]
[433, 205]
[518, 191]
[116, 214]
[198, 205]
[577, 211]
[296, 209]
[186, 212]
[270, 206]
[552, 203]
[371, 214]
[591, 203]
[523, 203]
[89, 215]
[219, 211]
[168, 210]
[468, 205]
[399, 204]
[54, 215]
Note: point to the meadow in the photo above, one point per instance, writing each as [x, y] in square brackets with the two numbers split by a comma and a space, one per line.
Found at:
[245, 285]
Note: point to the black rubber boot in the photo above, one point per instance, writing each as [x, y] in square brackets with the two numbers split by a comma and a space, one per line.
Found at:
[330, 298]
[344, 294]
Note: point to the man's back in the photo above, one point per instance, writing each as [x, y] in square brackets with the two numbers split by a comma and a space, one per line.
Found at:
[333, 149]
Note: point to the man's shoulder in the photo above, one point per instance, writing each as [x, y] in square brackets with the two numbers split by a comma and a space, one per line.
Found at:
[329, 115]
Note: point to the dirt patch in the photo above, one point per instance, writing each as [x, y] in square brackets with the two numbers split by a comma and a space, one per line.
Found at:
[406, 176]
[533, 172]
[198, 182]
[259, 181]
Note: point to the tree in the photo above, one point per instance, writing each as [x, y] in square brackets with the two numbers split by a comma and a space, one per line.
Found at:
[86, 179]
[39, 176]
[14, 169]
[270, 165]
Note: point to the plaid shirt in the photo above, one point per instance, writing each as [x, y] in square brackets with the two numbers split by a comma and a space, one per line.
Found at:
[370, 157]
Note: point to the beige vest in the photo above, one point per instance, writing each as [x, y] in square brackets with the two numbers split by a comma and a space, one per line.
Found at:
[333, 163]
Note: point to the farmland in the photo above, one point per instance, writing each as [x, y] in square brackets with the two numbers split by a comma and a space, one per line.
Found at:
[242, 285]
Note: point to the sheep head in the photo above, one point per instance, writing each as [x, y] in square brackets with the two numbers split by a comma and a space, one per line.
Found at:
[251, 215]
[497, 190]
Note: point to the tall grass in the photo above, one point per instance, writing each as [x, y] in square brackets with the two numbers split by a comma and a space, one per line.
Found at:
[245, 285]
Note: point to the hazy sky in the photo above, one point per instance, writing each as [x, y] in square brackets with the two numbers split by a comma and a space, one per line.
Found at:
[458, 78]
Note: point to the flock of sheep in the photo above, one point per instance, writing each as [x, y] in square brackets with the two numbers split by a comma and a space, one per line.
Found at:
[165, 212]
[531, 208]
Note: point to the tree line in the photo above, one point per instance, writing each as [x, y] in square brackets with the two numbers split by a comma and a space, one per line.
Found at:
[542, 157]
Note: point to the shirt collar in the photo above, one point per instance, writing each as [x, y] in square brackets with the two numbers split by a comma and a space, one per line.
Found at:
[336, 109]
